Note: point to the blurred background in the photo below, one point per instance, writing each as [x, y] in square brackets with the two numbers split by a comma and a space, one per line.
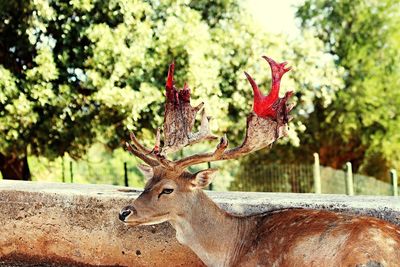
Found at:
[77, 76]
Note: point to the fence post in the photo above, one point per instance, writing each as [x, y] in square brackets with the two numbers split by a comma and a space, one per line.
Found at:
[71, 172]
[393, 178]
[317, 174]
[62, 169]
[210, 186]
[349, 180]
[126, 174]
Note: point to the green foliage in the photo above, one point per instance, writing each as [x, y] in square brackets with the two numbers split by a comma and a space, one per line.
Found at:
[357, 118]
[364, 38]
[85, 71]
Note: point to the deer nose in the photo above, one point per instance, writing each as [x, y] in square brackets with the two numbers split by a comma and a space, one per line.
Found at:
[125, 212]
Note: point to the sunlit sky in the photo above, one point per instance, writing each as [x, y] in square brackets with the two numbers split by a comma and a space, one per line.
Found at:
[276, 16]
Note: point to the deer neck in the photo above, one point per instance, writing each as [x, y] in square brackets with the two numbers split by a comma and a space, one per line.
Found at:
[210, 232]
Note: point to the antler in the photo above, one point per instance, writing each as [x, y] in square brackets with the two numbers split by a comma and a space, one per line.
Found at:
[179, 119]
[180, 116]
[265, 124]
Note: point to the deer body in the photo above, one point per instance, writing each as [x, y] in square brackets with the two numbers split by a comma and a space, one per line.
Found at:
[288, 237]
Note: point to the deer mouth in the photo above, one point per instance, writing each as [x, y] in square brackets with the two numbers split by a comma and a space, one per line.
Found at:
[159, 218]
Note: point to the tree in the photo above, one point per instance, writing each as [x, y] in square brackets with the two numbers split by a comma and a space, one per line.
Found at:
[81, 71]
[75, 72]
[358, 120]
[361, 124]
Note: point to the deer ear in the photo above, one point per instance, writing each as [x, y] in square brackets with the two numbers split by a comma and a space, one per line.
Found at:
[146, 170]
[203, 178]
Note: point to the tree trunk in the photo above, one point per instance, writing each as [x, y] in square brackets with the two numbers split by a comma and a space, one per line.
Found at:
[15, 168]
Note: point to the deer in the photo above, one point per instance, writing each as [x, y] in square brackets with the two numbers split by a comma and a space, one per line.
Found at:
[283, 237]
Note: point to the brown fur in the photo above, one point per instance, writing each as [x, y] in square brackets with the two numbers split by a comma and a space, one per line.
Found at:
[320, 238]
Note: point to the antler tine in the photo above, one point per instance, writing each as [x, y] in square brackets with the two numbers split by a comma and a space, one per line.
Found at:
[140, 155]
[265, 124]
[204, 132]
[151, 157]
[157, 145]
[218, 154]
[157, 149]
[139, 146]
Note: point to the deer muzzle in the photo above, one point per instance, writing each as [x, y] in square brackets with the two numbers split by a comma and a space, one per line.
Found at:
[125, 212]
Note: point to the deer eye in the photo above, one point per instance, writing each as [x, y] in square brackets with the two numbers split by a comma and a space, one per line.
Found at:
[167, 191]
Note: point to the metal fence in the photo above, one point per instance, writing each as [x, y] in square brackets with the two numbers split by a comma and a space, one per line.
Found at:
[301, 179]
[297, 178]
[103, 169]
[275, 178]
[334, 182]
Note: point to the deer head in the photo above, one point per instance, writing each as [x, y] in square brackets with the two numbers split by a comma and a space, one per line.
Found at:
[171, 190]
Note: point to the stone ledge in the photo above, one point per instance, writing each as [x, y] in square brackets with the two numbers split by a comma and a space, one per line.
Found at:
[77, 225]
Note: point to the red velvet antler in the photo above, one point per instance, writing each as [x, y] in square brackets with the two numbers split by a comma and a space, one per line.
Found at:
[271, 105]
[173, 95]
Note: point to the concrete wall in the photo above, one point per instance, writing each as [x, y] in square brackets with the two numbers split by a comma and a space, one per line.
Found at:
[78, 224]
